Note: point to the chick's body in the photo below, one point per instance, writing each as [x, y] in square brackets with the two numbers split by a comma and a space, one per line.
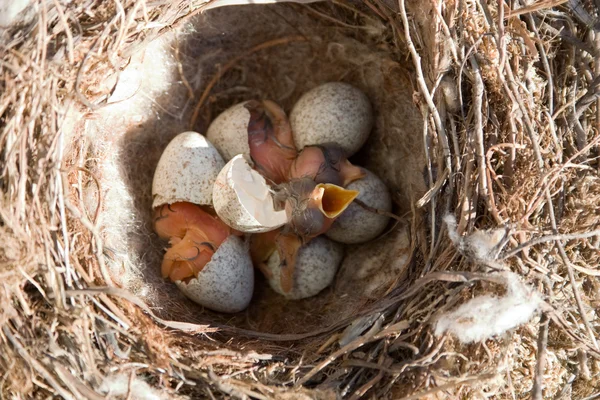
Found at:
[270, 140]
[325, 163]
[311, 208]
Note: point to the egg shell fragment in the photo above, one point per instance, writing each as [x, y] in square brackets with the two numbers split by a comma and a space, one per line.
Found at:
[316, 265]
[243, 199]
[333, 112]
[226, 283]
[356, 224]
[229, 132]
[186, 171]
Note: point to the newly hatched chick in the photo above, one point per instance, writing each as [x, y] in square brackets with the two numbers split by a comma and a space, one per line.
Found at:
[194, 235]
[310, 206]
[316, 265]
[259, 129]
[270, 140]
[325, 163]
[208, 262]
[312, 198]
[311, 209]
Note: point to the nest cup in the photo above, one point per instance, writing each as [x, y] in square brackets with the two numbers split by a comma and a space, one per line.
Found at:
[270, 52]
[487, 287]
[180, 80]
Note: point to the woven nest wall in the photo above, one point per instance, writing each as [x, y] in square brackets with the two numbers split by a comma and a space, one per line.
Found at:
[486, 132]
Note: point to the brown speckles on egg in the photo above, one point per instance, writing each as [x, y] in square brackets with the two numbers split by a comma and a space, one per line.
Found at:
[186, 171]
[333, 112]
[357, 225]
[229, 132]
[226, 283]
[316, 265]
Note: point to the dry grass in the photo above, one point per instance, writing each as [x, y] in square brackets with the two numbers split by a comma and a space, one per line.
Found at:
[512, 130]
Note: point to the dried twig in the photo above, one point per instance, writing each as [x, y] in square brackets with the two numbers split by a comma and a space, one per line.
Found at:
[37, 366]
[550, 238]
[424, 89]
[450, 385]
[478, 130]
[361, 341]
[542, 343]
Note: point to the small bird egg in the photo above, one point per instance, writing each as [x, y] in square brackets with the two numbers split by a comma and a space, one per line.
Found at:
[226, 283]
[316, 265]
[333, 112]
[186, 171]
[229, 131]
[356, 224]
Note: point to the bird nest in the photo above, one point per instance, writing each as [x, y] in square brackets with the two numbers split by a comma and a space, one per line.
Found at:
[486, 132]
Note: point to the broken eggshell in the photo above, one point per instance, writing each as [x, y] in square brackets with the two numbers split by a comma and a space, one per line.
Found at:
[194, 235]
[226, 283]
[243, 199]
[184, 180]
[229, 131]
[356, 224]
[316, 265]
[334, 112]
[186, 171]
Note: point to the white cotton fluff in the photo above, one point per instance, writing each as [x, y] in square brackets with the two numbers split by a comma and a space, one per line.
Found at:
[120, 385]
[483, 317]
[486, 316]
[481, 245]
[11, 11]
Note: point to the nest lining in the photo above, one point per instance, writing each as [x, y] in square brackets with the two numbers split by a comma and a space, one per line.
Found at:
[497, 128]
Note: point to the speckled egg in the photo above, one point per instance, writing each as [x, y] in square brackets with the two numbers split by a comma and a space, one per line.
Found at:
[316, 265]
[226, 283]
[370, 269]
[229, 132]
[333, 112]
[186, 171]
[356, 224]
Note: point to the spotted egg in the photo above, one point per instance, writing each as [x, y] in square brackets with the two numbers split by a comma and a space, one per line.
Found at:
[333, 112]
[229, 131]
[316, 265]
[357, 224]
[186, 171]
[226, 283]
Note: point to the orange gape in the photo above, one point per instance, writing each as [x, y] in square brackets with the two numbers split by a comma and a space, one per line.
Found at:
[194, 235]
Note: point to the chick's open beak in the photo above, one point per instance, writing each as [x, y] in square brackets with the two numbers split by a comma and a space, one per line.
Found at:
[270, 139]
[333, 200]
[312, 208]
